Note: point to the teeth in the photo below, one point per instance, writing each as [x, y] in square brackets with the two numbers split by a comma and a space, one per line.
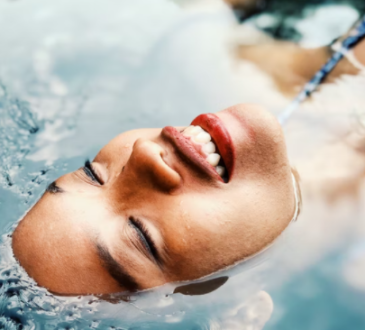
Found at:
[202, 137]
[209, 148]
[193, 130]
[198, 135]
[220, 170]
[188, 130]
[213, 159]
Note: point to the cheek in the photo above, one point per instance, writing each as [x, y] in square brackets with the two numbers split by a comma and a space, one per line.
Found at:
[203, 218]
[262, 216]
[210, 234]
[185, 222]
[244, 219]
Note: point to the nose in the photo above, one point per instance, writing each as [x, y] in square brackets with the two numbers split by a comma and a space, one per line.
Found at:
[147, 167]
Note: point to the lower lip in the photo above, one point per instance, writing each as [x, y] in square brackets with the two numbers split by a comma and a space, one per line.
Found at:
[189, 154]
[220, 136]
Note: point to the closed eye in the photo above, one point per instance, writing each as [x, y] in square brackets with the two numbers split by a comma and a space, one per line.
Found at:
[90, 172]
[144, 237]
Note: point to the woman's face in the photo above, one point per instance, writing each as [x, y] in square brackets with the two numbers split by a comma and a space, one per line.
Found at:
[153, 208]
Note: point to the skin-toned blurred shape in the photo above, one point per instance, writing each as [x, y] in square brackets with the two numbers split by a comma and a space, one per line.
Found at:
[245, 5]
[153, 208]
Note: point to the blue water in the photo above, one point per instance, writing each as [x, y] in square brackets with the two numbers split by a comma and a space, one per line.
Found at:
[74, 75]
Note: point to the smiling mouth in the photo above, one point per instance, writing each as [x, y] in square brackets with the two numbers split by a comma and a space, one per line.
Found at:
[206, 145]
[203, 143]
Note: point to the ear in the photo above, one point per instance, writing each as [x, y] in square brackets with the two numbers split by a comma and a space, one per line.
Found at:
[201, 288]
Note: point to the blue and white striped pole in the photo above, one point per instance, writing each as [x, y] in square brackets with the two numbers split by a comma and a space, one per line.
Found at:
[354, 38]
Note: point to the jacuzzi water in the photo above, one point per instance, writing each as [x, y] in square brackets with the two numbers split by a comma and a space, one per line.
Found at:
[75, 74]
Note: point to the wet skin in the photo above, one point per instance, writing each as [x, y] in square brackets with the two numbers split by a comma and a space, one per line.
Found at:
[151, 216]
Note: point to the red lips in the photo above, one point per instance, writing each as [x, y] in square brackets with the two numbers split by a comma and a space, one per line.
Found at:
[220, 136]
[189, 154]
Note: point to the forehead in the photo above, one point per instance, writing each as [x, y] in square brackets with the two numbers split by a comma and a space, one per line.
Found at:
[61, 215]
[59, 252]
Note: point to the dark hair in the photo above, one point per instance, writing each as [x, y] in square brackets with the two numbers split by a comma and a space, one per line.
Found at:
[287, 11]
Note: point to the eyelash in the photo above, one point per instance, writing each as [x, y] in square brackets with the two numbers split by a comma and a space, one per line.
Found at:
[90, 172]
[144, 235]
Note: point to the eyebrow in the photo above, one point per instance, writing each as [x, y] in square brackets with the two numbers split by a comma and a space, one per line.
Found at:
[54, 189]
[117, 271]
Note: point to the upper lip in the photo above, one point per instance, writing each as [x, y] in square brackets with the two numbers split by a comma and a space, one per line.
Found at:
[186, 150]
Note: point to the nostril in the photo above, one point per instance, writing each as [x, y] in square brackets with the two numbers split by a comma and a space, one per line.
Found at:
[163, 155]
[149, 159]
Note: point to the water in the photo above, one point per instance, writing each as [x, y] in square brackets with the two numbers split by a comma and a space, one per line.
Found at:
[74, 76]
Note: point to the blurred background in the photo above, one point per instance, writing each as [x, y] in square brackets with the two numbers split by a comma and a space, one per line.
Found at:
[73, 74]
